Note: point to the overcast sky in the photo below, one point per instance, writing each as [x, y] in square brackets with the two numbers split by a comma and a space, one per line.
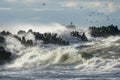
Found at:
[83, 13]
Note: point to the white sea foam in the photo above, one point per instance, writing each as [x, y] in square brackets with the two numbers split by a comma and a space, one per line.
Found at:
[35, 56]
[43, 54]
[57, 62]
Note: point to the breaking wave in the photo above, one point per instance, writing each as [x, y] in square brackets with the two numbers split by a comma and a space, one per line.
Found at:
[100, 53]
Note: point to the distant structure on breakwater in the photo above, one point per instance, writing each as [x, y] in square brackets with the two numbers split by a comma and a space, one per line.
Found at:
[71, 26]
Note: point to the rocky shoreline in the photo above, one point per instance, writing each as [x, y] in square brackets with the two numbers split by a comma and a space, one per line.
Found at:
[52, 38]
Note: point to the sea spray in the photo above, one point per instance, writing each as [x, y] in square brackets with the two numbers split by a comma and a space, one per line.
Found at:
[12, 44]
[44, 54]
[42, 28]
[52, 61]
[105, 51]
[106, 56]
[98, 64]
[35, 56]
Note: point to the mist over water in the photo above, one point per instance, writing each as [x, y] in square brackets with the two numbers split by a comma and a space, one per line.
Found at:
[50, 61]
[38, 42]
[42, 28]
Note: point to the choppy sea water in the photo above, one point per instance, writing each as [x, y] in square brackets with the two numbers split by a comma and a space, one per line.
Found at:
[53, 62]
[57, 72]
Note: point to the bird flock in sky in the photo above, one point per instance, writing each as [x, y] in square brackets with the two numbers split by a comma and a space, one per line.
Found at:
[92, 14]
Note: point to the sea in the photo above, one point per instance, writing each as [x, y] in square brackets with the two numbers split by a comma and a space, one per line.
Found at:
[55, 62]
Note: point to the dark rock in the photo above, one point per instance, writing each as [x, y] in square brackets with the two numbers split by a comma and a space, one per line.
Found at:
[29, 43]
[21, 32]
[18, 38]
[50, 38]
[2, 40]
[104, 31]
[86, 55]
[4, 33]
[30, 30]
[4, 56]
[83, 37]
[25, 42]
[78, 35]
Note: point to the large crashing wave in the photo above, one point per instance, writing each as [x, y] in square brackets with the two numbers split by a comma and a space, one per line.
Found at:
[104, 51]
[106, 55]
[37, 56]
[42, 53]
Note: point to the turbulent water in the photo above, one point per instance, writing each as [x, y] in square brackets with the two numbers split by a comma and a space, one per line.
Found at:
[54, 62]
